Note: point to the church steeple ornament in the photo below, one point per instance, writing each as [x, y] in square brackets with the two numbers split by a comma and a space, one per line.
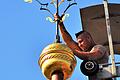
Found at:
[56, 61]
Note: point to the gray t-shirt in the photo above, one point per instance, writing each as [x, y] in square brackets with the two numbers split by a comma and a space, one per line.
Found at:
[102, 56]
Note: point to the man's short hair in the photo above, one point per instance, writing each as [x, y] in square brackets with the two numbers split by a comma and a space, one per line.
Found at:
[77, 34]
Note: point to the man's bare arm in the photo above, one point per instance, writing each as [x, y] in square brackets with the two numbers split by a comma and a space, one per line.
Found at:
[67, 38]
[65, 35]
[96, 54]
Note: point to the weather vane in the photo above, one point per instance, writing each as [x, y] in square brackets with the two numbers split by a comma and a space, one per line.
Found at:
[56, 3]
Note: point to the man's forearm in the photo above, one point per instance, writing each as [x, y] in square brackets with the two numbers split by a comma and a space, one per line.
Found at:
[65, 35]
[68, 39]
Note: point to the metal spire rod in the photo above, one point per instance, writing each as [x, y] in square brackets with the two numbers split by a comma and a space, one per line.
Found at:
[113, 68]
[57, 75]
[57, 27]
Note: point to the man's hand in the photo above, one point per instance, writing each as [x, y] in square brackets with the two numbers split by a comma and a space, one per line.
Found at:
[58, 18]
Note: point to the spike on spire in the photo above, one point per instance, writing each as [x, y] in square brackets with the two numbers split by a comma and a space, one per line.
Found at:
[28, 1]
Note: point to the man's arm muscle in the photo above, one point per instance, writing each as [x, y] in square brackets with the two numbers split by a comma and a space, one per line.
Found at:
[67, 38]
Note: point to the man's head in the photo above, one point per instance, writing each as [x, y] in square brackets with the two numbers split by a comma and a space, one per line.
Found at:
[85, 41]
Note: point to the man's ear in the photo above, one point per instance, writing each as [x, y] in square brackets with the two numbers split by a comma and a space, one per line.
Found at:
[88, 37]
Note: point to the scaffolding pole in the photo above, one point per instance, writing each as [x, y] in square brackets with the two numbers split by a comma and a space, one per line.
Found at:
[113, 66]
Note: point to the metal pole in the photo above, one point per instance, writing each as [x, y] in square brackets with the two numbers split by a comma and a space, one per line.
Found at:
[113, 68]
[57, 75]
[57, 27]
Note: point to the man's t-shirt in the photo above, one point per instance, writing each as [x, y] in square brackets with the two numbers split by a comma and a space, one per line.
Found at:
[99, 58]
[102, 57]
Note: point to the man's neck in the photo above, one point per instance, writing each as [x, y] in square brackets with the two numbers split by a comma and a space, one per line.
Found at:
[92, 45]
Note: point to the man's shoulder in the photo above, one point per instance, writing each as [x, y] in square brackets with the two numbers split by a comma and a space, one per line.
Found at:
[98, 46]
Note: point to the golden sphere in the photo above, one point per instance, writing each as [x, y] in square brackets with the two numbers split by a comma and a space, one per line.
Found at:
[58, 57]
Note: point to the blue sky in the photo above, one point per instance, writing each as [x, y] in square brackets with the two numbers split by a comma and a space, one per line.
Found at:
[24, 33]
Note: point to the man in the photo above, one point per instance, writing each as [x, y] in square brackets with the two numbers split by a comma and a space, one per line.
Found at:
[85, 48]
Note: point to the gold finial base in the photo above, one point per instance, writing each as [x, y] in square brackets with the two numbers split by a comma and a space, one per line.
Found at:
[57, 57]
